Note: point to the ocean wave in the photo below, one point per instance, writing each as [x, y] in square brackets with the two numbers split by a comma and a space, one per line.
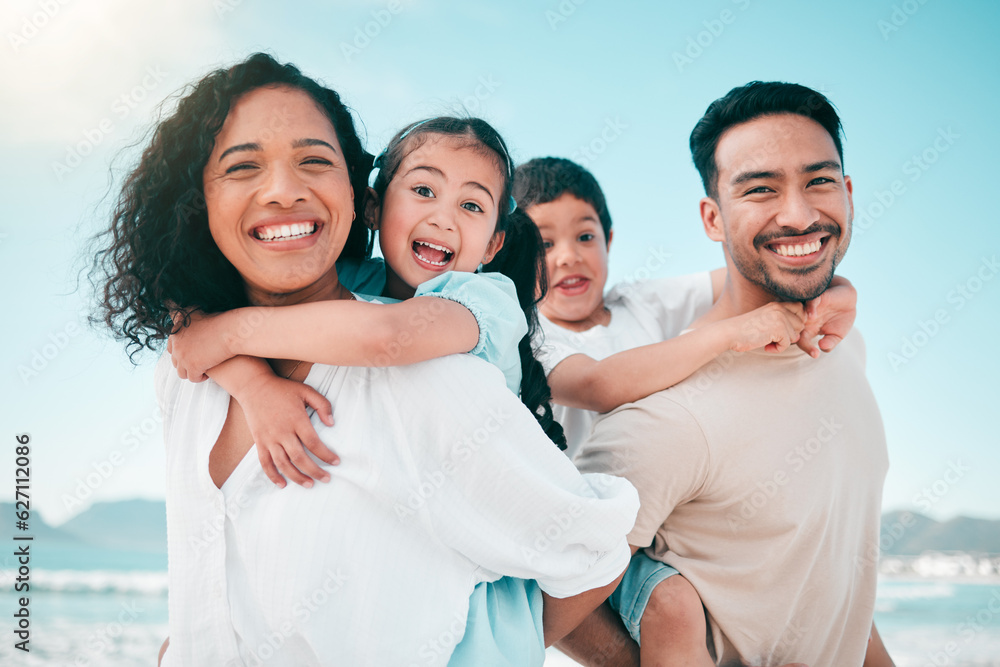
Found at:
[915, 591]
[94, 581]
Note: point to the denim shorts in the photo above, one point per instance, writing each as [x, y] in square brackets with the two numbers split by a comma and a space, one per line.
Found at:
[632, 595]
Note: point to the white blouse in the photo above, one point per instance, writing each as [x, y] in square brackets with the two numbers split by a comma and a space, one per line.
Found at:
[446, 481]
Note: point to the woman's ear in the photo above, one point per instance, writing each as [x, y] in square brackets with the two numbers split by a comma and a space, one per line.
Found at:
[494, 247]
[373, 210]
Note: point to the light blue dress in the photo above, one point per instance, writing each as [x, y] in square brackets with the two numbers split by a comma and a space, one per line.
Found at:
[504, 625]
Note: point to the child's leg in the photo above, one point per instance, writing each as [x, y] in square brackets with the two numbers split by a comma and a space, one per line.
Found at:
[673, 627]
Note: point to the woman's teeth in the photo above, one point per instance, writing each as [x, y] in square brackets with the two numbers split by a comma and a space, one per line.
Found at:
[798, 250]
[282, 232]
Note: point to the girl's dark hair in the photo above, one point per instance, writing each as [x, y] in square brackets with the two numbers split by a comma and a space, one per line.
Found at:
[158, 253]
[522, 257]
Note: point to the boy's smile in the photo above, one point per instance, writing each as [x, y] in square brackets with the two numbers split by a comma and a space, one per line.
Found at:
[576, 261]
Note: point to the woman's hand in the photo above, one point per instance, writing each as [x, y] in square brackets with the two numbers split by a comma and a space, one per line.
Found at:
[275, 411]
[199, 346]
[830, 315]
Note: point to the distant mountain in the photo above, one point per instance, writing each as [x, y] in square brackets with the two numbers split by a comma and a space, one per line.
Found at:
[136, 525]
[37, 528]
[911, 534]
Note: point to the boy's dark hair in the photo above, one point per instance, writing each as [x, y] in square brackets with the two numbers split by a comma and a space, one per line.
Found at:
[545, 179]
[745, 103]
[158, 253]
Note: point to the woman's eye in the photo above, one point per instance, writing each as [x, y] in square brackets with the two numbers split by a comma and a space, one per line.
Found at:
[317, 160]
[242, 166]
[472, 206]
[586, 237]
[423, 191]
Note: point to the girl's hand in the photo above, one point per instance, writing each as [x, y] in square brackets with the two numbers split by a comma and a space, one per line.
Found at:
[200, 345]
[275, 410]
[830, 315]
[773, 327]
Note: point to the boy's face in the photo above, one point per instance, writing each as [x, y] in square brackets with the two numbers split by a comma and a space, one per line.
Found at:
[576, 259]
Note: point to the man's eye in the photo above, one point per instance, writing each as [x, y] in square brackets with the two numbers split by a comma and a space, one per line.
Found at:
[760, 189]
[586, 237]
[423, 191]
[472, 206]
[821, 180]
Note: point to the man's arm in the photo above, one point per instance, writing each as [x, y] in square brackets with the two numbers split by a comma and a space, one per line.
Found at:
[877, 656]
[561, 615]
[601, 641]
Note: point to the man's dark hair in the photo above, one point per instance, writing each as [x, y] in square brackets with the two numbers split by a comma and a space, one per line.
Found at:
[756, 99]
[545, 179]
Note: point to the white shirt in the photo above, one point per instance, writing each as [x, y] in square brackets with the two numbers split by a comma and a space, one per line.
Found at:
[446, 481]
[642, 313]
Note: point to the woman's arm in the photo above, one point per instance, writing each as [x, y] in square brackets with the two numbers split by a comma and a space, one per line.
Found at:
[582, 382]
[340, 333]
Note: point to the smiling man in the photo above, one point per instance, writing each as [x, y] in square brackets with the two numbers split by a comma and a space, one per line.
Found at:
[760, 477]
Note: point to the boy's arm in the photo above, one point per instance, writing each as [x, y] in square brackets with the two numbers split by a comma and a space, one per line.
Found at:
[339, 333]
[582, 382]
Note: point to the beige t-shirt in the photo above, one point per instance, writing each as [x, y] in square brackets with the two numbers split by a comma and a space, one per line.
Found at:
[760, 479]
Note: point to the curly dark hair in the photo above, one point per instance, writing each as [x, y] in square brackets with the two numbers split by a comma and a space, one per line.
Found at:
[158, 254]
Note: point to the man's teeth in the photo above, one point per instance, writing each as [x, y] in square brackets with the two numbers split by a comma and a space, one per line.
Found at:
[285, 231]
[798, 250]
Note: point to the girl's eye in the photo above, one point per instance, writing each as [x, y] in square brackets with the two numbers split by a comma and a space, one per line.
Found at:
[547, 245]
[423, 191]
[472, 206]
[587, 236]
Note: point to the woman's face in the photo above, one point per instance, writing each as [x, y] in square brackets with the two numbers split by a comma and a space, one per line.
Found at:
[279, 196]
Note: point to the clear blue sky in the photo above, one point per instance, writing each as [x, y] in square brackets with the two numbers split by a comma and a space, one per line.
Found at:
[617, 86]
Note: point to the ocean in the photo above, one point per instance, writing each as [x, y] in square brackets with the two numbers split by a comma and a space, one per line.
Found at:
[92, 607]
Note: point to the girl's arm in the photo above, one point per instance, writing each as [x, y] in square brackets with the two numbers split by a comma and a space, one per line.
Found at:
[275, 410]
[582, 382]
[339, 333]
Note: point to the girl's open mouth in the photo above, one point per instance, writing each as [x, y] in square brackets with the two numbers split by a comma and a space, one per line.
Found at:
[436, 255]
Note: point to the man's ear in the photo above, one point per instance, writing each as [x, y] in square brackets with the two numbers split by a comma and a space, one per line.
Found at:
[849, 186]
[373, 210]
[711, 218]
[494, 247]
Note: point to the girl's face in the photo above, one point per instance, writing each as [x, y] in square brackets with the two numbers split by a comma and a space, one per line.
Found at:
[439, 213]
[279, 196]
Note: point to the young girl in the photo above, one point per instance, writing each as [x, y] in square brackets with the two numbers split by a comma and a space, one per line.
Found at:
[441, 203]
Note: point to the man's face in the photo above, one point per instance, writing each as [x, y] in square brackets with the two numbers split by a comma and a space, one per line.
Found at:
[784, 206]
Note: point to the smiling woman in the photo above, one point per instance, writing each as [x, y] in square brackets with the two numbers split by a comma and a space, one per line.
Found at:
[389, 566]
[160, 250]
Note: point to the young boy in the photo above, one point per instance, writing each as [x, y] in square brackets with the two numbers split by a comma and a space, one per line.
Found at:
[602, 351]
